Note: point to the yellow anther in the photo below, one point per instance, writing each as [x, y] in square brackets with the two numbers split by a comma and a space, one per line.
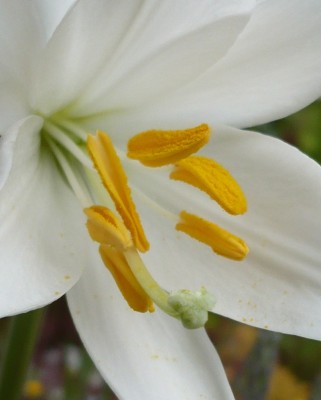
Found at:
[155, 148]
[105, 228]
[133, 293]
[215, 180]
[114, 179]
[221, 241]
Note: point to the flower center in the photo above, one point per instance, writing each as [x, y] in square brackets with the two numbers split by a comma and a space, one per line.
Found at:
[116, 225]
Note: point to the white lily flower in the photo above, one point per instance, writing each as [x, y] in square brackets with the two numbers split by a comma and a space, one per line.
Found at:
[68, 68]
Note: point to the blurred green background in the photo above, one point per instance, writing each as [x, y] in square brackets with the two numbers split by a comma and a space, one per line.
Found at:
[259, 364]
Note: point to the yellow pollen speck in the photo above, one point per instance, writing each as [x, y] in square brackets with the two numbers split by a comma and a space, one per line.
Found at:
[155, 148]
[33, 389]
[221, 241]
[210, 177]
[109, 167]
[67, 277]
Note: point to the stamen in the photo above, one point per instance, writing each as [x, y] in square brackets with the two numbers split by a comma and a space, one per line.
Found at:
[114, 179]
[134, 294]
[60, 136]
[135, 282]
[210, 177]
[221, 241]
[75, 129]
[119, 241]
[105, 228]
[155, 148]
[75, 181]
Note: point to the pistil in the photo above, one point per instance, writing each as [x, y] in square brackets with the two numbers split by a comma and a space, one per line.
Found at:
[191, 308]
[133, 279]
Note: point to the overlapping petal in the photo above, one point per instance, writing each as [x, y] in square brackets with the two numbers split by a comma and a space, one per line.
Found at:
[13, 103]
[41, 257]
[20, 39]
[272, 70]
[49, 14]
[277, 286]
[81, 45]
[20, 43]
[163, 50]
[125, 35]
[143, 356]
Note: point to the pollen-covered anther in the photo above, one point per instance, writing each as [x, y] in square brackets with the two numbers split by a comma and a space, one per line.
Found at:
[210, 177]
[221, 241]
[127, 283]
[105, 228]
[155, 148]
[108, 165]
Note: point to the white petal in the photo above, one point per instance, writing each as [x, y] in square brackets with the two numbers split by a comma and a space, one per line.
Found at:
[143, 356]
[78, 49]
[13, 103]
[24, 29]
[20, 39]
[50, 13]
[168, 45]
[270, 72]
[8, 144]
[278, 285]
[273, 69]
[43, 241]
